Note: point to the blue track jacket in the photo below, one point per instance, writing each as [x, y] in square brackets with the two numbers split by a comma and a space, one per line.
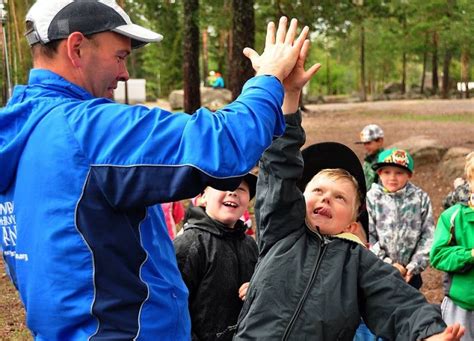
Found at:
[83, 238]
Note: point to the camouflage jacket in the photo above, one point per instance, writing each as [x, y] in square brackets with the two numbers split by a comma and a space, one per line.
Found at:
[458, 195]
[401, 225]
[371, 175]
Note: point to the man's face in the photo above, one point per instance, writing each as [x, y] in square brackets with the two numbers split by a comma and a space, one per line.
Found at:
[104, 63]
[227, 206]
[373, 146]
[330, 204]
[393, 178]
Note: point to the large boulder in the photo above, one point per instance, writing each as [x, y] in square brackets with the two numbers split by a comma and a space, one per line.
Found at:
[452, 164]
[392, 88]
[210, 98]
[423, 149]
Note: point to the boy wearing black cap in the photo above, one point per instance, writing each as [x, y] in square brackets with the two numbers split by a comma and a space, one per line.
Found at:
[400, 217]
[311, 285]
[216, 258]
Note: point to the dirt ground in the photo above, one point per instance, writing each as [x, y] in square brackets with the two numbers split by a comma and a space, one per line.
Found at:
[450, 122]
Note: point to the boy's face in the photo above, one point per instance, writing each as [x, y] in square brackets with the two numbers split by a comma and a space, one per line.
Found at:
[330, 205]
[393, 178]
[227, 206]
[372, 146]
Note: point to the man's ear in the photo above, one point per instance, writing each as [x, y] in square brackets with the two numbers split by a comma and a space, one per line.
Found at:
[74, 43]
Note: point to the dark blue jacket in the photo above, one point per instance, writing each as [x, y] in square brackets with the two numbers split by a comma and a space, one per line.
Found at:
[83, 237]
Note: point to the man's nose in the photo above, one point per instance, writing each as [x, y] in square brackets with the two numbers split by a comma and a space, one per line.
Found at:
[123, 74]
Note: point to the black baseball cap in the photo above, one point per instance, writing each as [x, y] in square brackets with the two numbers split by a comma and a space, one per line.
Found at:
[57, 19]
[326, 155]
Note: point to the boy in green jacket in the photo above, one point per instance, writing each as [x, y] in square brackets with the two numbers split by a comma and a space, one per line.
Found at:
[453, 252]
[372, 137]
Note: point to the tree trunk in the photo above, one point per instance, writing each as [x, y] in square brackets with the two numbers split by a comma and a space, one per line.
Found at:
[363, 93]
[404, 57]
[404, 73]
[446, 79]
[328, 75]
[4, 69]
[192, 94]
[434, 65]
[243, 34]
[425, 61]
[205, 56]
[465, 59]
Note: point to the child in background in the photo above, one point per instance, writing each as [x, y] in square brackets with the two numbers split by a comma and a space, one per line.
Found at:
[216, 258]
[174, 214]
[311, 286]
[400, 216]
[372, 139]
[453, 252]
[460, 194]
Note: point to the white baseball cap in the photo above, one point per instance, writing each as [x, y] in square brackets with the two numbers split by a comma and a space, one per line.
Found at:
[57, 19]
[370, 132]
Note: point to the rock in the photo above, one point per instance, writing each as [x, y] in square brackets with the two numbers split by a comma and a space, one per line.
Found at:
[392, 88]
[423, 149]
[210, 98]
[452, 164]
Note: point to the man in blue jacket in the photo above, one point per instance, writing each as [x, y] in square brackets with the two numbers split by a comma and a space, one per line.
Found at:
[84, 240]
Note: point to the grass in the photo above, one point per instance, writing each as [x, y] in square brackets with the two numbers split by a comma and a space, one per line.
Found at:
[462, 117]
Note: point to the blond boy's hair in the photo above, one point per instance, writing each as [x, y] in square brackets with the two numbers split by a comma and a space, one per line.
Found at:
[469, 169]
[337, 174]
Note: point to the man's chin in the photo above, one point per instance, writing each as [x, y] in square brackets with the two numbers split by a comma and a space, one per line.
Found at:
[109, 94]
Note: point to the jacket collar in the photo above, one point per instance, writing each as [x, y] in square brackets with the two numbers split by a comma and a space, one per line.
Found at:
[44, 77]
[197, 218]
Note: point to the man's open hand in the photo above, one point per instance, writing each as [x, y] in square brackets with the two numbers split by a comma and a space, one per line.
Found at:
[281, 50]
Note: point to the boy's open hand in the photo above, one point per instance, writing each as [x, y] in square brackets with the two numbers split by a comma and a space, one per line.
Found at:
[451, 333]
[298, 77]
[281, 50]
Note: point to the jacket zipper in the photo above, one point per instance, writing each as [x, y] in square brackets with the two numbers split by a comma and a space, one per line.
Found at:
[306, 292]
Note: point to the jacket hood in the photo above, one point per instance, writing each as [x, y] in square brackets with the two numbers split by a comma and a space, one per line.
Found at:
[16, 124]
[197, 218]
[18, 119]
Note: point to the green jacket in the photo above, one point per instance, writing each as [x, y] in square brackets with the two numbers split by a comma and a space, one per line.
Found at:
[451, 252]
[371, 176]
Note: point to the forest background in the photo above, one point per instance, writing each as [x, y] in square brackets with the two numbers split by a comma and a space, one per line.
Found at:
[423, 47]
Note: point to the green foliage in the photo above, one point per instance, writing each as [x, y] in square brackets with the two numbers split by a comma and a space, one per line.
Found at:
[392, 29]
[160, 64]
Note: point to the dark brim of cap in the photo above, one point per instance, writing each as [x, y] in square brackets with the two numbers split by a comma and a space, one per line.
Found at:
[364, 220]
[140, 35]
[377, 166]
[251, 181]
[325, 155]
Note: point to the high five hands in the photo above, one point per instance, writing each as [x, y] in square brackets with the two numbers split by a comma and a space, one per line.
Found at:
[282, 51]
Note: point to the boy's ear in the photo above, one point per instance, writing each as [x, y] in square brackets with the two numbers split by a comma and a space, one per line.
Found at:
[203, 198]
[352, 228]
